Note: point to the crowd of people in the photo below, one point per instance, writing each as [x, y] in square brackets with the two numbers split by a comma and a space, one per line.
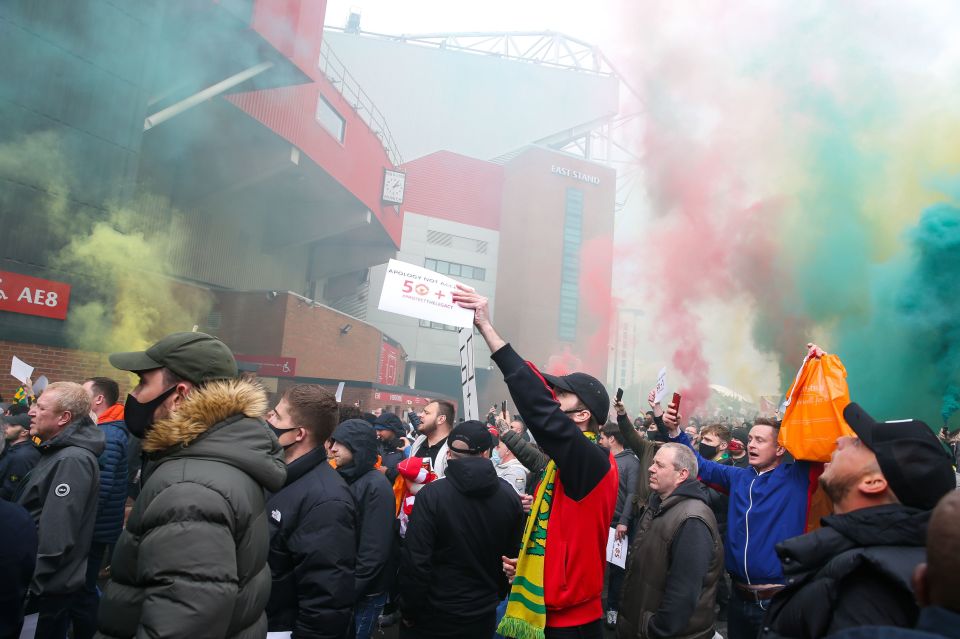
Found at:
[195, 509]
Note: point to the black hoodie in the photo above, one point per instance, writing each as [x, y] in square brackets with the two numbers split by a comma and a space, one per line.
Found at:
[461, 525]
[854, 571]
[376, 508]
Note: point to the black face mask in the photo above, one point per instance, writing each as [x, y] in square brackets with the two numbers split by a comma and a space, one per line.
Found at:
[707, 451]
[139, 417]
[279, 433]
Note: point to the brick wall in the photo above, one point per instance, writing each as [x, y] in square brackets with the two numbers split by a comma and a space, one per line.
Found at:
[58, 364]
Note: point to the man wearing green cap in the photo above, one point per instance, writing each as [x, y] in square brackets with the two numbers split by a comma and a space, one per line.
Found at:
[192, 561]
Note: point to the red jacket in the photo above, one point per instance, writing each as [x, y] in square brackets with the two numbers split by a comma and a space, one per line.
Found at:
[584, 499]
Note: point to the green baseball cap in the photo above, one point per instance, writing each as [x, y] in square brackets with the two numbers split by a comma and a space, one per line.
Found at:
[196, 357]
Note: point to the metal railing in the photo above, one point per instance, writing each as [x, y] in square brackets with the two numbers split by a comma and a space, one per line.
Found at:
[357, 98]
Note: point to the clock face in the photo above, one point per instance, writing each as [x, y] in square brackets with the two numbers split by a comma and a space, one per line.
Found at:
[393, 183]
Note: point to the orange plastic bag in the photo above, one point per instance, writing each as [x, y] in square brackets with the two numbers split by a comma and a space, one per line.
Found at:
[813, 419]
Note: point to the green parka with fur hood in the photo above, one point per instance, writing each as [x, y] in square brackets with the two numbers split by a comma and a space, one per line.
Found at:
[192, 561]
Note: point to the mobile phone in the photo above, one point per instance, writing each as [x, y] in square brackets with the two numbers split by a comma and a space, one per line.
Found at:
[503, 407]
[619, 394]
[676, 401]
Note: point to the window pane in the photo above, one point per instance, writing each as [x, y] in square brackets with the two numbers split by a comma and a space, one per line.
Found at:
[466, 271]
[454, 269]
[430, 264]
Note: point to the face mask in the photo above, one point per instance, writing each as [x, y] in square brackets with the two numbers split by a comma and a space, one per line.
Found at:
[495, 456]
[279, 433]
[707, 451]
[139, 417]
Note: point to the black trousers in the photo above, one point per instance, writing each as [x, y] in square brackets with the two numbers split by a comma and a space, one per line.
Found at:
[592, 630]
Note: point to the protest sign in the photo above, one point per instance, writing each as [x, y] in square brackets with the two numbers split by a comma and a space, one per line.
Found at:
[421, 293]
[617, 549]
[661, 385]
[468, 382]
[20, 369]
[339, 395]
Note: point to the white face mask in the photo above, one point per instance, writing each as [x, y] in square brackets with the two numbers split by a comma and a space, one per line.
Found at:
[495, 456]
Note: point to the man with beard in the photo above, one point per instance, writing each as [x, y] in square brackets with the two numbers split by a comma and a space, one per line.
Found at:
[436, 420]
[19, 456]
[192, 560]
[857, 569]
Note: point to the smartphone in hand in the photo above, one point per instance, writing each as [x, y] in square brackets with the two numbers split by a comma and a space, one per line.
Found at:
[676, 402]
[619, 394]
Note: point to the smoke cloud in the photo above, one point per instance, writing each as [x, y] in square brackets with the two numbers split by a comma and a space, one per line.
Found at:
[789, 152]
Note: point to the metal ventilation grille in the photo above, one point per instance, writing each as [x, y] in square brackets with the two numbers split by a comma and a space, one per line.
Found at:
[448, 240]
[440, 239]
[214, 320]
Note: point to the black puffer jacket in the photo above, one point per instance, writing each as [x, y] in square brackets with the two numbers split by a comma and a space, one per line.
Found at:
[856, 570]
[376, 508]
[192, 561]
[460, 527]
[312, 548]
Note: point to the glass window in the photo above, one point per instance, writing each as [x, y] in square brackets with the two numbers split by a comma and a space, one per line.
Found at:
[466, 271]
[330, 120]
[454, 269]
[430, 264]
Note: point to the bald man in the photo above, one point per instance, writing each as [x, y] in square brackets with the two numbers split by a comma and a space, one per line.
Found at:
[857, 569]
[936, 582]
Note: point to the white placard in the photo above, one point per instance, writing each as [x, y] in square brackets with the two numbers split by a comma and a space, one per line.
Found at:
[617, 549]
[418, 292]
[339, 395]
[468, 381]
[661, 385]
[20, 369]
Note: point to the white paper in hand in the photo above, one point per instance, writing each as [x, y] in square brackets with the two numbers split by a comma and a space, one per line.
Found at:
[661, 385]
[339, 395]
[616, 549]
[20, 369]
[418, 292]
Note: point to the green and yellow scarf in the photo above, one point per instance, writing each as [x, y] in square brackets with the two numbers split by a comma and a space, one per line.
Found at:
[526, 614]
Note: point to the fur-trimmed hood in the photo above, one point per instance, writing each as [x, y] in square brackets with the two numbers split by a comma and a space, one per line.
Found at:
[222, 421]
[203, 408]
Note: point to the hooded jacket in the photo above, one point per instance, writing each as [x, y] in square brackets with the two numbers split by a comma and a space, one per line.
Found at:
[192, 561]
[675, 563]
[376, 508]
[113, 482]
[60, 493]
[16, 462]
[854, 571]
[585, 494]
[312, 548]
[450, 563]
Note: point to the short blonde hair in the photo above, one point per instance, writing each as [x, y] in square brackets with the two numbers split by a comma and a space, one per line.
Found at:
[71, 397]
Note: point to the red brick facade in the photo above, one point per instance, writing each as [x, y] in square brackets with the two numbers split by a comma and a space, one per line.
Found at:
[58, 364]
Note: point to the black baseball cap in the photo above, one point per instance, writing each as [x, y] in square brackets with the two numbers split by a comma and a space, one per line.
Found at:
[915, 464]
[589, 389]
[196, 357]
[22, 420]
[474, 434]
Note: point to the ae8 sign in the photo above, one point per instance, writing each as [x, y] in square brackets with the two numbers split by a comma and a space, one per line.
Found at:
[33, 296]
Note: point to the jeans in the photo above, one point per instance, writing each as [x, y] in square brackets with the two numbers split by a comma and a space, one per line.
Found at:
[83, 610]
[745, 617]
[592, 630]
[366, 613]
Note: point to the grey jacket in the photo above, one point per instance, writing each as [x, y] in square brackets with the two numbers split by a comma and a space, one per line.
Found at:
[525, 452]
[628, 467]
[60, 493]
